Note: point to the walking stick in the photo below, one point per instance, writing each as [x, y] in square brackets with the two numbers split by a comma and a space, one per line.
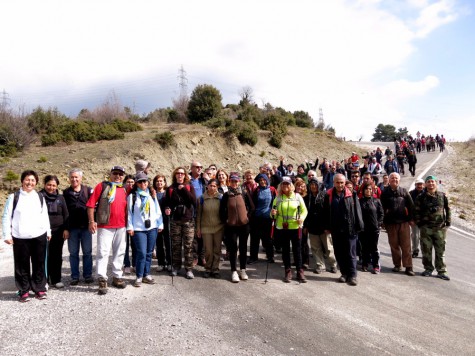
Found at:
[271, 238]
[171, 250]
[46, 264]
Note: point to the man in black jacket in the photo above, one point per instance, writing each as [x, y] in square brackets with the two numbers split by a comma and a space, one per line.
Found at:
[344, 221]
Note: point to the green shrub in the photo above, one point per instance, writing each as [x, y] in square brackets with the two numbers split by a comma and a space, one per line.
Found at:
[262, 154]
[126, 125]
[11, 176]
[276, 140]
[42, 159]
[109, 132]
[84, 131]
[50, 139]
[8, 150]
[165, 139]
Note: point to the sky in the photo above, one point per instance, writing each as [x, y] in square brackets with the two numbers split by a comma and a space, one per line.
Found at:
[407, 63]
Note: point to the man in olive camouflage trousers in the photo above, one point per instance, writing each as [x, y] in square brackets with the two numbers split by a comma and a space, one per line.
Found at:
[432, 215]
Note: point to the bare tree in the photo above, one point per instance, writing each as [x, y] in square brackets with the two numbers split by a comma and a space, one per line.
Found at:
[246, 94]
[110, 110]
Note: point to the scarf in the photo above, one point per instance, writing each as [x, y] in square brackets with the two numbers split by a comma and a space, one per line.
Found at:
[145, 199]
[111, 195]
[234, 191]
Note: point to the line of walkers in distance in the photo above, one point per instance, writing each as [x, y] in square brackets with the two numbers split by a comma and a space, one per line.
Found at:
[187, 220]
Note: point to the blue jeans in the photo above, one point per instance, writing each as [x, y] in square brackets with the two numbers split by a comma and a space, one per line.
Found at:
[144, 244]
[80, 238]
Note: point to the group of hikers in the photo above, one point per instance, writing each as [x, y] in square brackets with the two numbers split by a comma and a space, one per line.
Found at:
[337, 213]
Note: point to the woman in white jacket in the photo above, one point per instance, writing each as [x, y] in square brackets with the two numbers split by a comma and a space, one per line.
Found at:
[144, 221]
[26, 226]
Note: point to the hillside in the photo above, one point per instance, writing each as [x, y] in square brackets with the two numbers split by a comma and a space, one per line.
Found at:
[192, 142]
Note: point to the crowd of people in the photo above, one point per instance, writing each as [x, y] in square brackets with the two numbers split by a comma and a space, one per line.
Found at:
[337, 214]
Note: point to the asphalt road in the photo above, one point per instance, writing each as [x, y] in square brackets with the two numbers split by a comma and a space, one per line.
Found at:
[390, 313]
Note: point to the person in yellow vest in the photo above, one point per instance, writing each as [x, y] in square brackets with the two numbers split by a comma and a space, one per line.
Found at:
[290, 211]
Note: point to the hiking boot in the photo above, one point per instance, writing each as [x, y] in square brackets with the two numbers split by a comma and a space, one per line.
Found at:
[202, 262]
[127, 270]
[138, 282]
[189, 275]
[243, 275]
[288, 276]
[443, 275]
[148, 280]
[173, 272]
[415, 254]
[333, 270]
[426, 273]
[216, 274]
[397, 269]
[301, 276]
[353, 281]
[235, 277]
[342, 279]
[160, 268]
[206, 274]
[118, 283]
[409, 271]
[89, 280]
[74, 282]
[376, 270]
[317, 271]
[364, 268]
[102, 286]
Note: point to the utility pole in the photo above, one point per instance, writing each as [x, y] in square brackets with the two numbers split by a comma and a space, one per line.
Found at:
[183, 82]
[5, 101]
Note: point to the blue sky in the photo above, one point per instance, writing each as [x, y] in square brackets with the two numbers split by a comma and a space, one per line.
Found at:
[408, 63]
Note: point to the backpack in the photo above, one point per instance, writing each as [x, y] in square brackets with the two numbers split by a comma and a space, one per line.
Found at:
[180, 209]
[103, 205]
[16, 196]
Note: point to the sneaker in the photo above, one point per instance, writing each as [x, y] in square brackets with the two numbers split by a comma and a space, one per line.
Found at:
[195, 262]
[59, 285]
[443, 275]
[305, 266]
[173, 272]
[333, 270]
[206, 274]
[160, 268]
[127, 270]
[364, 268]
[41, 295]
[118, 283]
[132, 269]
[426, 273]
[342, 279]
[89, 280]
[138, 282]
[235, 277]
[243, 275]
[202, 262]
[74, 282]
[409, 271]
[415, 254]
[148, 280]
[189, 275]
[24, 297]
[376, 270]
[397, 269]
[353, 281]
[169, 268]
[317, 271]
[216, 274]
[102, 286]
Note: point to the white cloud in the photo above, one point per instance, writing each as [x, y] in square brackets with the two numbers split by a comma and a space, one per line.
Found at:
[434, 16]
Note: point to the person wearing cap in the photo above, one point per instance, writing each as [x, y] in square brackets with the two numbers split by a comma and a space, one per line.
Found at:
[320, 242]
[142, 166]
[415, 231]
[111, 200]
[199, 182]
[433, 216]
[343, 219]
[290, 212]
[261, 223]
[235, 209]
[411, 159]
[144, 221]
[398, 217]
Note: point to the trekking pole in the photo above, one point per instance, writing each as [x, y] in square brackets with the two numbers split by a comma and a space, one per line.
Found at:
[271, 238]
[46, 263]
[170, 239]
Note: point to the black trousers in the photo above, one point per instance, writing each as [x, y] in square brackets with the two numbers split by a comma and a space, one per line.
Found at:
[164, 257]
[286, 238]
[55, 256]
[369, 248]
[345, 253]
[233, 234]
[24, 252]
[260, 231]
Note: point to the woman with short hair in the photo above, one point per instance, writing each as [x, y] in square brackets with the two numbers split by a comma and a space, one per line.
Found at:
[26, 226]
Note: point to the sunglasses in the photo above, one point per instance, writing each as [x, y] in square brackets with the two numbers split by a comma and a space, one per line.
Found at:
[180, 173]
[198, 167]
[118, 174]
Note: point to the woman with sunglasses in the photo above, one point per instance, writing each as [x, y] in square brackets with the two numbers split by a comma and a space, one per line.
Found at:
[144, 221]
